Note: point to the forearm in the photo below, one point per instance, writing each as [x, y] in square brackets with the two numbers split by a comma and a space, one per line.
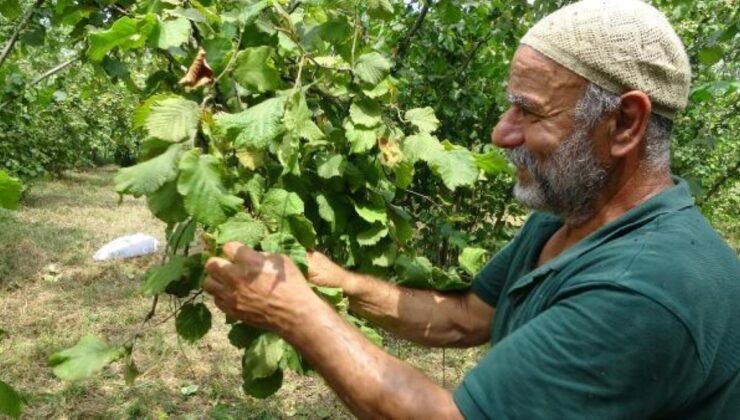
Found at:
[369, 381]
[422, 316]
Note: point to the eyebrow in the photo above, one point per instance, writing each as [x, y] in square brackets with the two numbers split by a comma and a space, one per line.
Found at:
[522, 102]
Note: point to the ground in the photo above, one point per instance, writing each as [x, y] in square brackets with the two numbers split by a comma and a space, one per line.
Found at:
[52, 293]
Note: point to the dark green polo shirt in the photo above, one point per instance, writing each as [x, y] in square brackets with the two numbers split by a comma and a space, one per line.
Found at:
[641, 319]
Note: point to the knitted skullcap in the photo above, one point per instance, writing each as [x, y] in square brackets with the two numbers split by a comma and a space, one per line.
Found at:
[620, 45]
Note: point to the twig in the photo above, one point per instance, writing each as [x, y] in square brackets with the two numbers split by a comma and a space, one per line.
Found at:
[356, 34]
[730, 174]
[54, 70]
[232, 58]
[403, 45]
[472, 54]
[16, 33]
[424, 197]
[297, 83]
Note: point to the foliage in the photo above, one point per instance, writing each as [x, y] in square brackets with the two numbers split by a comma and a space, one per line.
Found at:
[360, 128]
[11, 403]
[10, 191]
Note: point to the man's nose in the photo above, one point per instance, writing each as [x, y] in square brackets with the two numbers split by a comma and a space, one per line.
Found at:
[508, 132]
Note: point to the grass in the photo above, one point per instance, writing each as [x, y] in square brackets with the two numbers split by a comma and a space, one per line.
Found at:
[52, 293]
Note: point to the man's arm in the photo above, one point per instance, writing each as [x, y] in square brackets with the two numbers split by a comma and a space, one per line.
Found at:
[426, 317]
[270, 292]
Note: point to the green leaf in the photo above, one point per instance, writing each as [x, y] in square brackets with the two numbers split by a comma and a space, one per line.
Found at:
[86, 358]
[372, 213]
[402, 229]
[172, 33]
[383, 255]
[711, 55]
[333, 295]
[248, 14]
[424, 147]
[11, 9]
[200, 182]
[10, 191]
[303, 230]
[263, 356]
[298, 120]
[242, 336]
[360, 139]
[331, 211]
[159, 277]
[193, 321]
[141, 113]
[126, 32]
[167, 204]
[263, 387]
[11, 403]
[254, 69]
[278, 204]
[455, 167]
[381, 9]
[414, 272]
[148, 176]
[447, 280]
[241, 228]
[283, 243]
[330, 166]
[173, 119]
[372, 236]
[492, 162]
[423, 119]
[404, 172]
[255, 127]
[365, 113]
[472, 259]
[372, 67]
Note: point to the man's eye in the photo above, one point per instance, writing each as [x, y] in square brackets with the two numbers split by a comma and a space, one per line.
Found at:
[525, 112]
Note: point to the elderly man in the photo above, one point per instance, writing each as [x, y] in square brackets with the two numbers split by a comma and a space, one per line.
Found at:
[615, 300]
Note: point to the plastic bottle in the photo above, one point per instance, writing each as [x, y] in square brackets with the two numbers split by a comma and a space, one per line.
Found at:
[127, 247]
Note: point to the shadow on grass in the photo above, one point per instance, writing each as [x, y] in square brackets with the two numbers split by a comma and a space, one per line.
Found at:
[26, 249]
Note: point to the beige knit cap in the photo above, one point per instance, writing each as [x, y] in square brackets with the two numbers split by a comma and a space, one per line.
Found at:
[619, 45]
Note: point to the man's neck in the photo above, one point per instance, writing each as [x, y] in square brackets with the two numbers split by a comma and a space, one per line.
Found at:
[621, 195]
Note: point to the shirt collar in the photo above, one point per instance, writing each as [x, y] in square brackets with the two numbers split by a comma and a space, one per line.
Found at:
[670, 200]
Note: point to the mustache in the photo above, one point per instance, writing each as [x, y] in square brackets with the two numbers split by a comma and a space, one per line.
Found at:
[520, 157]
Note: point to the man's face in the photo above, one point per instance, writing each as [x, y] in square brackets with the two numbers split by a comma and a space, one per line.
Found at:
[557, 157]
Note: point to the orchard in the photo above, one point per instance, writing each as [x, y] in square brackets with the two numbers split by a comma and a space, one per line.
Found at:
[357, 128]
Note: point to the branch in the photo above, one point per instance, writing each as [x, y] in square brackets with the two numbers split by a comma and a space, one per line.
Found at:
[472, 54]
[22, 24]
[403, 45]
[730, 174]
[52, 71]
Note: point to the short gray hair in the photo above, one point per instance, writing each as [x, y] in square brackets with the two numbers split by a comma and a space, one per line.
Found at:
[596, 102]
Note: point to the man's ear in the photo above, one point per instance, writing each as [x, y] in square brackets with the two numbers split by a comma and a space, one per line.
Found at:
[632, 120]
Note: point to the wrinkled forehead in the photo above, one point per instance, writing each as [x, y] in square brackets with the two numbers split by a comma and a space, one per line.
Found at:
[543, 82]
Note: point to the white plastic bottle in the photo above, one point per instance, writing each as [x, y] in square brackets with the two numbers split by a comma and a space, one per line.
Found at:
[127, 247]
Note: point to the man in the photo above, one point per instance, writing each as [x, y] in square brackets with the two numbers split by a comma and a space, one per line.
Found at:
[615, 300]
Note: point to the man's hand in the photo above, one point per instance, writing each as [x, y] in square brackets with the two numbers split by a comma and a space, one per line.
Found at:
[324, 272]
[267, 291]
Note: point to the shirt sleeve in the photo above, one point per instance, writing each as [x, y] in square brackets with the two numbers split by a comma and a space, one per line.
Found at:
[604, 353]
[490, 281]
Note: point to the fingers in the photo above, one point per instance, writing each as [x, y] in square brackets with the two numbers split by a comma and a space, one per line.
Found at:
[214, 287]
[239, 253]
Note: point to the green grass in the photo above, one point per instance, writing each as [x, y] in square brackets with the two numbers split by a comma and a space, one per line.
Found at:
[52, 293]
